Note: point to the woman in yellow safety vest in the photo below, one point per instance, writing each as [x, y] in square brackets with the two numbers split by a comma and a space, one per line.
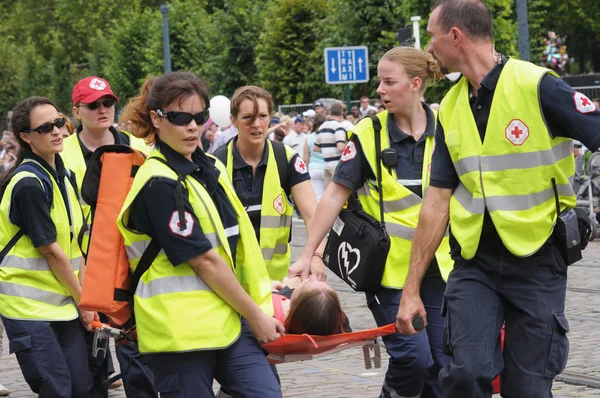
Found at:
[407, 129]
[40, 260]
[204, 302]
[266, 176]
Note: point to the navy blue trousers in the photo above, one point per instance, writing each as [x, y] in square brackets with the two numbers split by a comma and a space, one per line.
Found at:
[415, 361]
[241, 368]
[137, 376]
[528, 294]
[52, 356]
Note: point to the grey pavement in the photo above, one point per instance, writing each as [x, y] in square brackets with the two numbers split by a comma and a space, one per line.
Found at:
[344, 375]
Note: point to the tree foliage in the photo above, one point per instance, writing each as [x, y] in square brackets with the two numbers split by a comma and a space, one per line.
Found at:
[47, 45]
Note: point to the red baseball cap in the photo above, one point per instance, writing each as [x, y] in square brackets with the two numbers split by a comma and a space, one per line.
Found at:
[90, 89]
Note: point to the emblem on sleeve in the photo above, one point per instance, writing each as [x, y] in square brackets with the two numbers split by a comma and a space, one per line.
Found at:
[300, 166]
[583, 103]
[175, 224]
[516, 132]
[278, 204]
[349, 152]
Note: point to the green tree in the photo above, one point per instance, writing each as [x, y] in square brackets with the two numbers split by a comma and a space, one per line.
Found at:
[289, 56]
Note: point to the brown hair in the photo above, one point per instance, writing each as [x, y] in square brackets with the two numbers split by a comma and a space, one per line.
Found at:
[158, 93]
[317, 312]
[416, 63]
[319, 120]
[279, 134]
[470, 16]
[21, 121]
[252, 93]
[68, 123]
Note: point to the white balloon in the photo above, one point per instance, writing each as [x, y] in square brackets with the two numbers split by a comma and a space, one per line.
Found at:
[219, 110]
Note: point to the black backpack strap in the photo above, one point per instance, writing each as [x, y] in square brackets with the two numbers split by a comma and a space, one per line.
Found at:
[377, 136]
[221, 154]
[282, 165]
[144, 264]
[40, 173]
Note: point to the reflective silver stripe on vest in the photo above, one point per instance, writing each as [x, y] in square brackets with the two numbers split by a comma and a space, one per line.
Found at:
[507, 203]
[393, 394]
[514, 160]
[275, 221]
[254, 208]
[400, 231]
[171, 284]
[136, 249]
[391, 206]
[13, 289]
[231, 231]
[268, 253]
[34, 264]
[410, 183]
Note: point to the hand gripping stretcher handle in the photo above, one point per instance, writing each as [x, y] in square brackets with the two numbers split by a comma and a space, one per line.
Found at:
[417, 322]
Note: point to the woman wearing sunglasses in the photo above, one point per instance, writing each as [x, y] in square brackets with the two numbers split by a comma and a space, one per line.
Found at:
[253, 163]
[204, 303]
[40, 260]
[94, 108]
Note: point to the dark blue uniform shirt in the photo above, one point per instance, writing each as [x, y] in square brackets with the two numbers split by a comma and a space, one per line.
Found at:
[249, 185]
[155, 206]
[29, 209]
[562, 119]
[120, 139]
[354, 172]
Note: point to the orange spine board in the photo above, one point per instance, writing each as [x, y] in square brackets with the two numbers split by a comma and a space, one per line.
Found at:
[107, 267]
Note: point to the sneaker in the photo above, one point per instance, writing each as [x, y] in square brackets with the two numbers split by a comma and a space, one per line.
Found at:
[3, 391]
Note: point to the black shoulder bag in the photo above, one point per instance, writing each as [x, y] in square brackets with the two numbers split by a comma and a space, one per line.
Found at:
[358, 244]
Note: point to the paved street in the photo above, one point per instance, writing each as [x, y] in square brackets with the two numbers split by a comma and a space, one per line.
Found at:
[344, 375]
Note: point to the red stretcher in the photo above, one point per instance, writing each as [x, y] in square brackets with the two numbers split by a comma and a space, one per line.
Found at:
[304, 347]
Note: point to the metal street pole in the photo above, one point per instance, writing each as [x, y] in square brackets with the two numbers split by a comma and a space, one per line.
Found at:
[164, 8]
[416, 32]
[523, 30]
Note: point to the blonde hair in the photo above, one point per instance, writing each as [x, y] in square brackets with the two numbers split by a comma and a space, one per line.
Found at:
[68, 123]
[416, 63]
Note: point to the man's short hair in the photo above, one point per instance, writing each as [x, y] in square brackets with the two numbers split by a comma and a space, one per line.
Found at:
[470, 16]
[336, 110]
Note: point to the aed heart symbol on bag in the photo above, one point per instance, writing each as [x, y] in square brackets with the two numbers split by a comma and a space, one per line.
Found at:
[349, 258]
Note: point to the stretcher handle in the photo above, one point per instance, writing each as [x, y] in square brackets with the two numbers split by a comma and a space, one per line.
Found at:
[97, 325]
[417, 322]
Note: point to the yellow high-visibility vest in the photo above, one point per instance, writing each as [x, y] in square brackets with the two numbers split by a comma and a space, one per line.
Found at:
[510, 174]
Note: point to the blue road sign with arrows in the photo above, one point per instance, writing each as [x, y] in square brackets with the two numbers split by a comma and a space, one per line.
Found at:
[345, 65]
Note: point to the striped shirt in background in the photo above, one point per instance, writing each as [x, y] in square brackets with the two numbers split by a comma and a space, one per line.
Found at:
[329, 135]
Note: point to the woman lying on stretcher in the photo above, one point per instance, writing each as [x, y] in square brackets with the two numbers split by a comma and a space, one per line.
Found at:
[310, 307]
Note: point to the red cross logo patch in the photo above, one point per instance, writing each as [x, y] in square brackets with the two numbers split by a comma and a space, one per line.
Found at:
[349, 152]
[300, 166]
[175, 225]
[97, 84]
[583, 103]
[516, 132]
[278, 204]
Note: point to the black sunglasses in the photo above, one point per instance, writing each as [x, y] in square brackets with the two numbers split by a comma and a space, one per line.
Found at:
[184, 118]
[92, 106]
[47, 127]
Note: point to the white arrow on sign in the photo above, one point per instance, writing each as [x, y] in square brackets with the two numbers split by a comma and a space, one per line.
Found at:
[360, 62]
[332, 65]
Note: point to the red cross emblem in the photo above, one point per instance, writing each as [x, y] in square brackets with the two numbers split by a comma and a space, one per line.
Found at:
[300, 166]
[97, 84]
[349, 151]
[516, 132]
[583, 104]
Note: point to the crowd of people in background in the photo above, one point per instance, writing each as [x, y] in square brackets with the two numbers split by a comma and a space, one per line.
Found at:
[298, 130]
